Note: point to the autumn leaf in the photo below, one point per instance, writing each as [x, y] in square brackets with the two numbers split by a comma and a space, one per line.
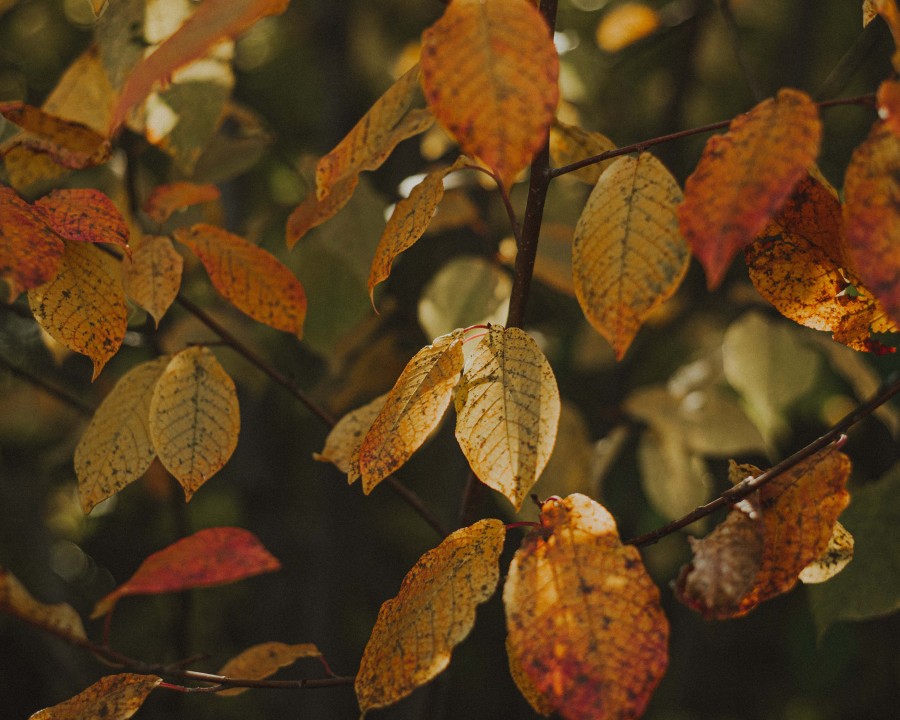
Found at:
[583, 616]
[152, 275]
[84, 215]
[60, 619]
[489, 71]
[570, 143]
[116, 448]
[30, 252]
[836, 557]
[416, 631]
[343, 442]
[214, 556]
[628, 256]
[66, 142]
[194, 418]
[745, 175]
[888, 103]
[625, 24]
[507, 410]
[114, 697]
[539, 703]
[412, 410]
[253, 280]
[408, 222]
[263, 660]
[84, 306]
[165, 200]
[312, 211]
[891, 16]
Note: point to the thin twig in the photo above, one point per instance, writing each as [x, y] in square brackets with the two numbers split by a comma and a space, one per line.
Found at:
[56, 392]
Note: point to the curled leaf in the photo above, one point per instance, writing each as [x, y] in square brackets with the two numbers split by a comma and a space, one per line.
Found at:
[343, 442]
[60, 619]
[835, 558]
[114, 697]
[312, 211]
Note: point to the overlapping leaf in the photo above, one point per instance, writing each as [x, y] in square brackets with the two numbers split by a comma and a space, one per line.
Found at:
[165, 200]
[835, 558]
[416, 631]
[60, 619]
[261, 661]
[252, 279]
[114, 697]
[214, 556]
[312, 211]
[628, 256]
[116, 449]
[584, 618]
[84, 307]
[412, 410]
[152, 274]
[570, 143]
[745, 175]
[194, 418]
[29, 251]
[489, 71]
[84, 215]
[507, 410]
[343, 442]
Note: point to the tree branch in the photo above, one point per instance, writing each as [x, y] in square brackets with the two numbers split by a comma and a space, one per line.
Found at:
[57, 392]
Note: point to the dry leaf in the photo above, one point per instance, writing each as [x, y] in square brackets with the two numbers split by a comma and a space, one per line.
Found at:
[84, 215]
[416, 631]
[540, 704]
[30, 252]
[165, 200]
[343, 442]
[312, 212]
[152, 275]
[114, 697]
[570, 143]
[835, 558]
[60, 619]
[263, 660]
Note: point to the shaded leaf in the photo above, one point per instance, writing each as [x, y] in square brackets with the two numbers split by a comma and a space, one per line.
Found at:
[261, 661]
[165, 200]
[114, 697]
[583, 616]
[412, 410]
[745, 175]
[84, 215]
[674, 477]
[416, 631]
[489, 71]
[507, 410]
[343, 442]
[835, 558]
[312, 212]
[60, 619]
[214, 556]
[194, 418]
[152, 275]
[29, 251]
[628, 256]
[116, 448]
[253, 280]
[891, 16]
[570, 143]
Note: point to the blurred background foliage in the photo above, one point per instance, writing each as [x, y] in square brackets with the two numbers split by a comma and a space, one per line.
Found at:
[713, 375]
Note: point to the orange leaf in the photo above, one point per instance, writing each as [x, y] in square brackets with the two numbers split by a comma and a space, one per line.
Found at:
[66, 142]
[84, 306]
[212, 21]
[872, 216]
[84, 215]
[626, 24]
[628, 256]
[745, 175]
[583, 616]
[214, 556]
[835, 558]
[312, 212]
[114, 697]
[888, 101]
[412, 410]
[152, 275]
[60, 619]
[29, 251]
[261, 661]
[164, 200]
[891, 16]
[570, 143]
[343, 442]
[416, 631]
[252, 279]
[489, 71]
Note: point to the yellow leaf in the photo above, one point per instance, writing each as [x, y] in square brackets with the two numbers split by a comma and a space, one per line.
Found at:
[835, 558]
[625, 24]
[312, 212]
[343, 442]
[60, 619]
[116, 449]
[416, 631]
[412, 410]
[570, 143]
[538, 702]
[374, 137]
[507, 410]
[263, 660]
[583, 616]
[84, 307]
[628, 256]
[114, 697]
[152, 275]
[252, 279]
[489, 71]
[194, 418]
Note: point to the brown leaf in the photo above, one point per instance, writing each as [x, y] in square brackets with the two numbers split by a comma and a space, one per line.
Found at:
[165, 200]
[114, 697]
[30, 252]
[84, 215]
[60, 619]
[312, 212]
[261, 661]
[343, 442]
[152, 275]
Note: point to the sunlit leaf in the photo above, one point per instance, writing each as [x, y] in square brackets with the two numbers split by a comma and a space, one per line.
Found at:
[540, 704]
[114, 697]
[165, 200]
[412, 410]
[489, 71]
[628, 256]
[84, 306]
[312, 212]
[570, 143]
[116, 448]
[625, 24]
[835, 558]
[261, 661]
[152, 275]
[84, 215]
[252, 279]
[416, 631]
[745, 175]
[583, 616]
[29, 251]
[343, 442]
[214, 556]
[507, 410]
[194, 418]
[60, 619]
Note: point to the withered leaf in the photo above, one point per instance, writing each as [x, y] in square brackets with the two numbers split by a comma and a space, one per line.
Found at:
[114, 697]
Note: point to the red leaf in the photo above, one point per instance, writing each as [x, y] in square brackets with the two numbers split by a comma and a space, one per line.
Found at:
[84, 216]
[29, 251]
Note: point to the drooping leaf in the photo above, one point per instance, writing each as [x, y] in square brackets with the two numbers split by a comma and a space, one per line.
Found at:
[745, 175]
[628, 256]
[412, 410]
[152, 275]
[214, 556]
[84, 306]
[489, 71]
[253, 280]
[116, 448]
[312, 212]
[114, 697]
[570, 143]
[29, 251]
[84, 215]
[583, 616]
[507, 410]
[194, 418]
[836, 557]
[165, 200]
[416, 631]
[261, 661]
[343, 442]
[60, 619]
